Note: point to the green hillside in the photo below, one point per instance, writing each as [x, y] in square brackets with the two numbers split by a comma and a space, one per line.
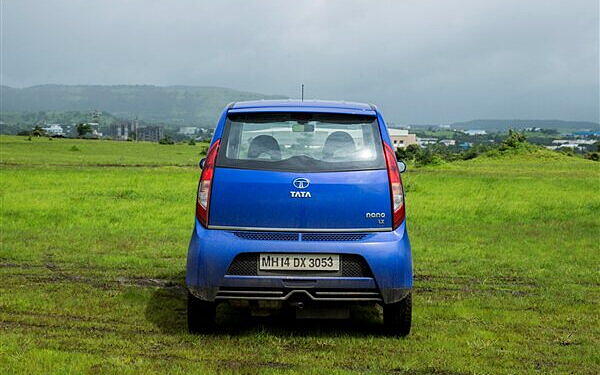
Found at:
[196, 105]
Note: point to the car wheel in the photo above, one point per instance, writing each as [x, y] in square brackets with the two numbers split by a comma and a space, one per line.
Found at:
[397, 317]
[200, 315]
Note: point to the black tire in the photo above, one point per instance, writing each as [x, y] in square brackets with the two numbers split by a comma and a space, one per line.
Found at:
[200, 315]
[397, 317]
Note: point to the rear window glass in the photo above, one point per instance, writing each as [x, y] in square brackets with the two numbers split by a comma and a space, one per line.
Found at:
[303, 142]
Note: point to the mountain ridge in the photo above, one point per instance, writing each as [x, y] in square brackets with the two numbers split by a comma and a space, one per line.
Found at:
[178, 105]
[181, 105]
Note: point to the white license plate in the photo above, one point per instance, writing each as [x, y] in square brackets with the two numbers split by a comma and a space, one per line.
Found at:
[299, 262]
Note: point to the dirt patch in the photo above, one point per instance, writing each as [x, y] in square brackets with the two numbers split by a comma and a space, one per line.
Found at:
[55, 273]
[250, 365]
[19, 265]
[516, 286]
[58, 276]
[15, 324]
[427, 371]
[65, 317]
[494, 279]
[150, 282]
[98, 165]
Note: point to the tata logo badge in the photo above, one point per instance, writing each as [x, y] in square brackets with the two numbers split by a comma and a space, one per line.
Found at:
[300, 183]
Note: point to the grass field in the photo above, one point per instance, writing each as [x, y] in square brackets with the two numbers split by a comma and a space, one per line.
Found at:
[94, 239]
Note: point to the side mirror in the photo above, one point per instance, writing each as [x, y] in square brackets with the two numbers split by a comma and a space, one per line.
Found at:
[202, 162]
[401, 166]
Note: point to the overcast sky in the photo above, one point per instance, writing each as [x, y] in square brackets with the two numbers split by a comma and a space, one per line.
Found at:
[420, 61]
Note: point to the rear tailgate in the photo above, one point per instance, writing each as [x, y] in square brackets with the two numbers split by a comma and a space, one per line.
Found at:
[269, 200]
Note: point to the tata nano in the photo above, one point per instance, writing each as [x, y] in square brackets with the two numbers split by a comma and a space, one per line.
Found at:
[300, 206]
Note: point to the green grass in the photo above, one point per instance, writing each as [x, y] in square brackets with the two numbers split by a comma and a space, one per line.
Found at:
[67, 152]
[506, 255]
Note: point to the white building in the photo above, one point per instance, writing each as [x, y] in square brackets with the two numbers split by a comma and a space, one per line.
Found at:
[188, 130]
[584, 141]
[448, 142]
[54, 129]
[426, 141]
[565, 145]
[475, 132]
[574, 141]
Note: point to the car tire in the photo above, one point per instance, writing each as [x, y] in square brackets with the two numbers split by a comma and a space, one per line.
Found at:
[200, 315]
[397, 317]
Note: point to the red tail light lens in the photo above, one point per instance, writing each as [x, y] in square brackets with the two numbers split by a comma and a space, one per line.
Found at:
[203, 199]
[396, 189]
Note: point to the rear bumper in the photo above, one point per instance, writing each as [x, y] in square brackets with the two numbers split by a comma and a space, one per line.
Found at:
[388, 255]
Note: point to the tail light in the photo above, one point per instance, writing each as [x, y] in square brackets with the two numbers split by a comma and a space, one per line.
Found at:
[396, 189]
[206, 177]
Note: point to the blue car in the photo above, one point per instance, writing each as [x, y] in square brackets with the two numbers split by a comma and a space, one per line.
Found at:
[300, 205]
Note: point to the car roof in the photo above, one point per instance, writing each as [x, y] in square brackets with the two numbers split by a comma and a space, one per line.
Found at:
[295, 105]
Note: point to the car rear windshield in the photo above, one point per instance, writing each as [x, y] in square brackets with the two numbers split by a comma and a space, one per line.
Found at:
[301, 142]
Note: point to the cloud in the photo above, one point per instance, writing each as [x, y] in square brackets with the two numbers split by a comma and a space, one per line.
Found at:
[420, 61]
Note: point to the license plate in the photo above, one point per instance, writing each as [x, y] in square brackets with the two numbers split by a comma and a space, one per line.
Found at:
[299, 262]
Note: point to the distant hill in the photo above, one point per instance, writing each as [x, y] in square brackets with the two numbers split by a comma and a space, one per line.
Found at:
[176, 105]
[185, 105]
[496, 125]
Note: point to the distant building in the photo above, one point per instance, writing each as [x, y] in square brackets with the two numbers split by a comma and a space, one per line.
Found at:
[448, 142]
[95, 130]
[54, 129]
[579, 144]
[188, 130]
[586, 133]
[585, 141]
[465, 145]
[150, 133]
[69, 130]
[475, 132]
[574, 141]
[566, 145]
[401, 138]
[123, 130]
[204, 134]
[423, 142]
